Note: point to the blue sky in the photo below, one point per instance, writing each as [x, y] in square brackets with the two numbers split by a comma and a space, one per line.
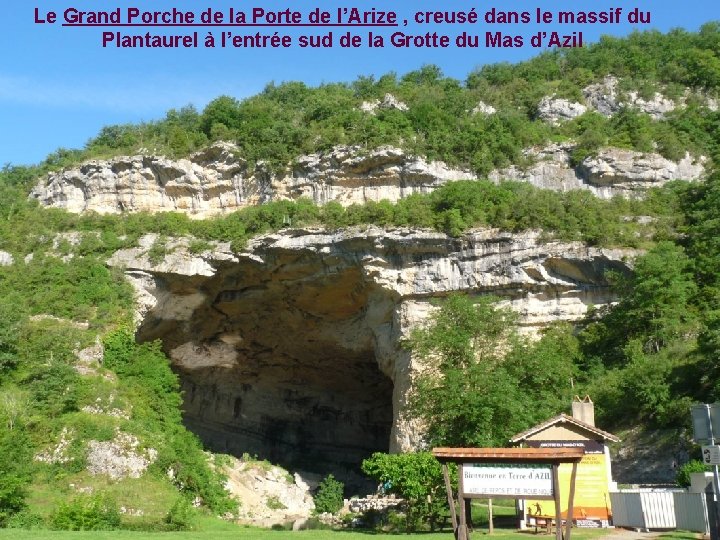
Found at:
[58, 86]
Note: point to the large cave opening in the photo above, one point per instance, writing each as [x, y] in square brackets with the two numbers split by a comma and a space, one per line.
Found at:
[282, 365]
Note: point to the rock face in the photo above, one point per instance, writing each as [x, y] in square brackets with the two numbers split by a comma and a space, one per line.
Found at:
[632, 171]
[268, 494]
[605, 97]
[348, 175]
[291, 349]
[216, 180]
[119, 458]
[388, 102]
[556, 110]
[208, 182]
[651, 456]
[613, 171]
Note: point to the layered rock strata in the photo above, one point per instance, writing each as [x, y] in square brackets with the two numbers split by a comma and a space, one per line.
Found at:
[612, 171]
[292, 349]
[217, 180]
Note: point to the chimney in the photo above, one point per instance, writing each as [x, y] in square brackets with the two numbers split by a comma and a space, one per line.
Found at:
[583, 410]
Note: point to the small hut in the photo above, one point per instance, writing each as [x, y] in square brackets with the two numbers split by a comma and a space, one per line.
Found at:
[594, 478]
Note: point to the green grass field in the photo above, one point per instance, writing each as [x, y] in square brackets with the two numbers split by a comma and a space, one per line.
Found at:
[211, 529]
[250, 533]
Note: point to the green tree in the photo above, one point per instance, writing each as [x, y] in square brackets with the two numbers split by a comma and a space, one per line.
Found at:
[329, 497]
[222, 110]
[682, 478]
[475, 389]
[416, 477]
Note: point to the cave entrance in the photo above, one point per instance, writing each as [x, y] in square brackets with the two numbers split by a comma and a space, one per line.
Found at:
[285, 369]
[322, 418]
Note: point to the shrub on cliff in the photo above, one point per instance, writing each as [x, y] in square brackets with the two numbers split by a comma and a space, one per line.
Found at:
[329, 496]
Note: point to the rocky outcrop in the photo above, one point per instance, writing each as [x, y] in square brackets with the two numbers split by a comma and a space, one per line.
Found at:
[350, 175]
[292, 349]
[484, 109]
[607, 99]
[388, 102]
[651, 456]
[556, 110]
[633, 171]
[207, 183]
[613, 171]
[216, 180]
[121, 457]
[268, 495]
[6, 259]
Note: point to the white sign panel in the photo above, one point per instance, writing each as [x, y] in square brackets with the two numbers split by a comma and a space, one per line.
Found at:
[506, 479]
[711, 455]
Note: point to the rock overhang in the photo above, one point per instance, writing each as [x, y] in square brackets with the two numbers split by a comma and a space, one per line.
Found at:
[291, 349]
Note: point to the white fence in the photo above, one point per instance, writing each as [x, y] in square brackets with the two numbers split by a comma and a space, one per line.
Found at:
[660, 510]
[691, 512]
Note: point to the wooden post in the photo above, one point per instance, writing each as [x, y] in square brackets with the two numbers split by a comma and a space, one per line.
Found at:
[462, 533]
[468, 515]
[571, 501]
[450, 498]
[490, 517]
[556, 493]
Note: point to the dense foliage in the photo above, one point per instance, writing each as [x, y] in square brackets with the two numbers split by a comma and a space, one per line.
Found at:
[645, 358]
[682, 478]
[657, 351]
[87, 513]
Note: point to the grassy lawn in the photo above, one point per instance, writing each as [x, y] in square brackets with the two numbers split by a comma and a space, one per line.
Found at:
[208, 528]
[222, 531]
[254, 534]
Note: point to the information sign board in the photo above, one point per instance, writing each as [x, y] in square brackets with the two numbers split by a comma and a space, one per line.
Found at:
[508, 480]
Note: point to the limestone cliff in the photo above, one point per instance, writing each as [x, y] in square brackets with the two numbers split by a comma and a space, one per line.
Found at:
[292, 349]
[607, 98]
[613, 171]
[217, 179]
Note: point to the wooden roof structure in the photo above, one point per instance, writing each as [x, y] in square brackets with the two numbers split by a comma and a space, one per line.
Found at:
[509, 455]
[562, 419]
